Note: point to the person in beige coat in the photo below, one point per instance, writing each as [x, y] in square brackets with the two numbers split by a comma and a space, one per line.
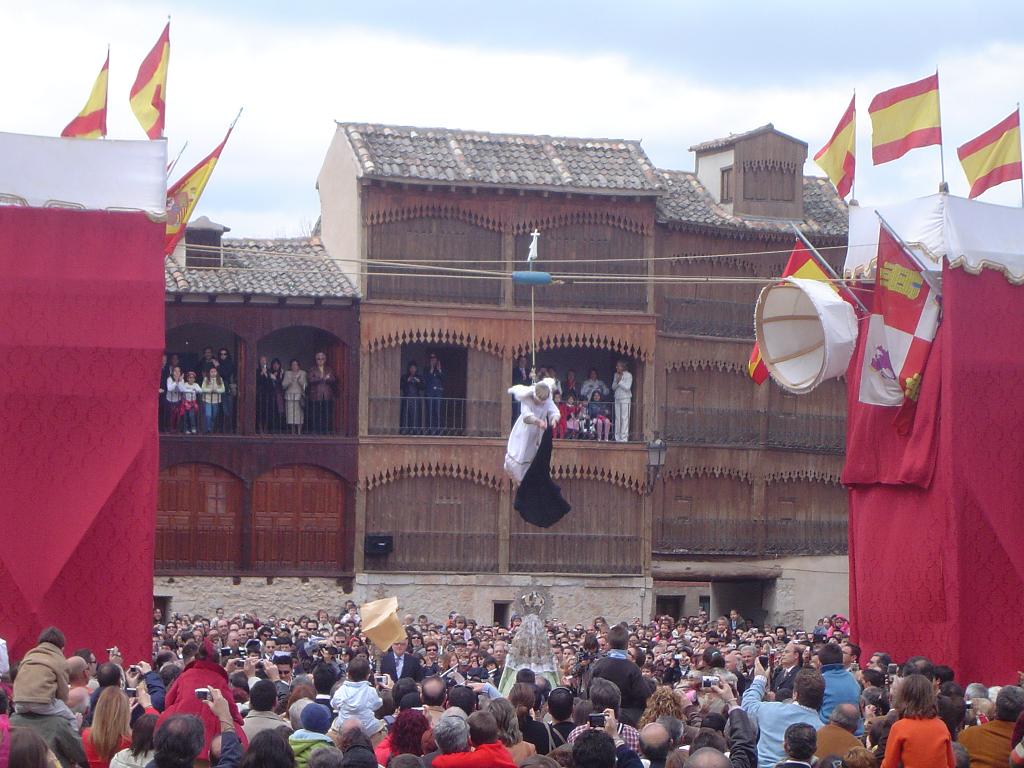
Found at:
[41, 687]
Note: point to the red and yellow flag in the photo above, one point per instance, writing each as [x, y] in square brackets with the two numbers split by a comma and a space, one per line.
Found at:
[993, 157]
[801, 264]
[91, 122]
[149, 93]
[838, 157]
[184, 194]
[905, 118]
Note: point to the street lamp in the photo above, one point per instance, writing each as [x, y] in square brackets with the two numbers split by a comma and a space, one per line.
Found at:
[656, 450]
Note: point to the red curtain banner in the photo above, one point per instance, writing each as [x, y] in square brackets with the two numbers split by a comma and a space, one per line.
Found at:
[81, 333]
[936, 535]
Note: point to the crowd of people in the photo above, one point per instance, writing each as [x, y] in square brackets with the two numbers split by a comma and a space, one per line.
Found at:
[313, 691]
[203, 398]
[588, 409]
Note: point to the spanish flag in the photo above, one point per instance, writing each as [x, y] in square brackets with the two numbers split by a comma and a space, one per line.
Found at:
[905, 118]
[993, 157]
[184, 194]
[801, 264]
[91, 122]
[838, 157]
[149, 93]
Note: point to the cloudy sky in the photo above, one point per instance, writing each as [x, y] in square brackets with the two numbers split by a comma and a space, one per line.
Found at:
[668, 73]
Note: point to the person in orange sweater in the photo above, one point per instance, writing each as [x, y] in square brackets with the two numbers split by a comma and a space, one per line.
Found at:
[919, 739]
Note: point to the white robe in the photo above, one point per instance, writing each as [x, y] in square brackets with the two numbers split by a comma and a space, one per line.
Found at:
[524, 441]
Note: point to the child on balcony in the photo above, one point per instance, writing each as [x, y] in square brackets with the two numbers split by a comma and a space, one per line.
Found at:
[600, 414]
[190, 392]
[559, 429]
[571, 416]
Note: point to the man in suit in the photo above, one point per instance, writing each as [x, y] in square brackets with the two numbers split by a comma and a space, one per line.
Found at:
[785, 672]
[398, 664]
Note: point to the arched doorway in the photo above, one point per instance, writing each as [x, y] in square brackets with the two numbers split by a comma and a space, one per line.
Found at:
[196, 347]
[321, 408]
[198, 517]
[299, 521]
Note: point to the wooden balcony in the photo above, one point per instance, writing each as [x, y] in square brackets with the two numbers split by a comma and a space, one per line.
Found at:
[808, 433]
[708, 317]
[749, 538]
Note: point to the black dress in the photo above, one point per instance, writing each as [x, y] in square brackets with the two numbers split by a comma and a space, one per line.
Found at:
[538, 499]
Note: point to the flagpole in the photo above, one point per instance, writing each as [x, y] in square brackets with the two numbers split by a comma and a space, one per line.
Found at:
[943, 186]
[170, 168]
[826, 266]
[1022, 175]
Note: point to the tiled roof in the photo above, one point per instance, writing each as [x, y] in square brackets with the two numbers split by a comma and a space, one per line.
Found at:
[688, 203]
[474, 157]
[727, 141]
[290, 267]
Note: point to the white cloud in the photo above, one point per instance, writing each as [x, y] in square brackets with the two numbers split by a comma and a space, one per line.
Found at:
[294, 80]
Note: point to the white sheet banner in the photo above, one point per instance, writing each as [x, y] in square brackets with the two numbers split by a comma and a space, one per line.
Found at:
[97, 174]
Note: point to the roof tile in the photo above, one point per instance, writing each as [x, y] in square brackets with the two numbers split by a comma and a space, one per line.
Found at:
[288, 267]
[446, 155]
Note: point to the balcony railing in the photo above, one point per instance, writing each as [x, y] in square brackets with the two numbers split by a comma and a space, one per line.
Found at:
[411, 285]
[304, 416]
[459, 551]
[752, 538]
[434, 416]
[708, 317]
[546, 551]
[713, 426]
[207, 414]
[609, 296]
[810, 433]
[805, 432]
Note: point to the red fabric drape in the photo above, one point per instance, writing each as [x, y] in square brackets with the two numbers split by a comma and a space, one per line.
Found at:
[936, 533]
[81, 330]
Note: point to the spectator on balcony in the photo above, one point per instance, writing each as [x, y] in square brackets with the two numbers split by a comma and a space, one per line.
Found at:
[563, 410]
[599, 413]
[570, 386]
[520, 376]
[269, 395]
[433, 382]
[172, 397]
[190, 392]
[553, 375]
[293, 383]
[411, 390]
[213, 393]
[570, 411]
[622, 385]
[166, 369]
[323, 390]
[206, 362]
[593, 384]
[229, 373]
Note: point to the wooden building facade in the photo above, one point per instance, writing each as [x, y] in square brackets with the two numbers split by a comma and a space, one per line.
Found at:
[398, 495]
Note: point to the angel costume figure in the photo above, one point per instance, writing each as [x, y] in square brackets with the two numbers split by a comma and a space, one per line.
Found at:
[530, 647]
[528, 457]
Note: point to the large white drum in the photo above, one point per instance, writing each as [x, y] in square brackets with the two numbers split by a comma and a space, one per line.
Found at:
[805, 331]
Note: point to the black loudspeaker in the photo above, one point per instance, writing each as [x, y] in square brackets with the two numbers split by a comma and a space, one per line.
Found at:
[378, 545]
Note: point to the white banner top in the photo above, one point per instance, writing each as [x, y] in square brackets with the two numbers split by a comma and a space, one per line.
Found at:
[96, 174]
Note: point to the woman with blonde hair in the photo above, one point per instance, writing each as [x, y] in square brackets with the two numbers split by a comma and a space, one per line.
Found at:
[919, 739]
[111, 729]
[508, 730]
[661, 703]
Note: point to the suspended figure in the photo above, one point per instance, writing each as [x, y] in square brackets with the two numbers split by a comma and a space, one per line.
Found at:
[528, 457]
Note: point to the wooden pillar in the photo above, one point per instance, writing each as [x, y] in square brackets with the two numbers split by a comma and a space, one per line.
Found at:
[358, 555]
[245, 555]
[508, 253]
[759, 507]
[505, 513]
[649, 252]
[647, 546]
[245, 404]
[364, 393]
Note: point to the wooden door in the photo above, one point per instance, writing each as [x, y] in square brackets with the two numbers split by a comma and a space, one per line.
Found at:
[298, 520]
[198, 514]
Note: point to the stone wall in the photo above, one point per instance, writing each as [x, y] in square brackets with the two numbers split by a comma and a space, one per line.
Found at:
[569, 598]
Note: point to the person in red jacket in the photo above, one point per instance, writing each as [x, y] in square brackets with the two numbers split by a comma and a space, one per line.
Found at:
[201, 673]
[487, 752]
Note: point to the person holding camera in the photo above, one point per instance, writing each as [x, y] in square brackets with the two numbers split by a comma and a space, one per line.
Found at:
[774, 717]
